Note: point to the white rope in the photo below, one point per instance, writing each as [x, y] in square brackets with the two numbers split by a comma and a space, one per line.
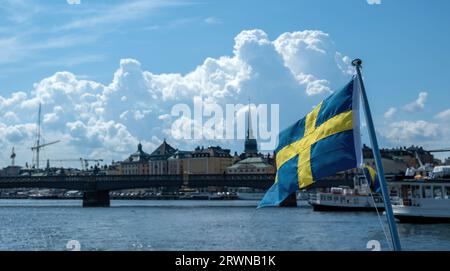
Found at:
[379, 219]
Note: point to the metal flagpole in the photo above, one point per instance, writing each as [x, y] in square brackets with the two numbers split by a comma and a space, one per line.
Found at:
[376, 154]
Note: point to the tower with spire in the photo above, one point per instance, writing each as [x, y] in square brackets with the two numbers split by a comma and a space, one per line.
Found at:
[13, 157]
[251, 146]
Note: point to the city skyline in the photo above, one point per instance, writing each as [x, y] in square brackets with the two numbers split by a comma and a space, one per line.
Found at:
[108, 72]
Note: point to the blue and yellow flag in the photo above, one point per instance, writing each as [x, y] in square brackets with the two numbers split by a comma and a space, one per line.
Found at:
[372, 178]
[323, 143]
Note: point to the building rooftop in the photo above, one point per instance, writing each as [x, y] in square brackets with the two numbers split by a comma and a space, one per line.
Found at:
[139, 155]
[180, 155]
[163, 151]
[211, 152]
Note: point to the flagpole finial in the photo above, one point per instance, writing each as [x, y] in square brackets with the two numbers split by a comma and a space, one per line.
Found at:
[357, 62]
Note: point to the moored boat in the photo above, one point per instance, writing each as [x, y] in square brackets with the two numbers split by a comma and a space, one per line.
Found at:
[345, 199]
[425, 200]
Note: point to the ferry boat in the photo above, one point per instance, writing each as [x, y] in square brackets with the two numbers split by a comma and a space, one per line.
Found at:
[344, 198]
[422, 199]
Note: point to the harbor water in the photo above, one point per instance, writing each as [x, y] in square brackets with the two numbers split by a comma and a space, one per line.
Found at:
[198, 225]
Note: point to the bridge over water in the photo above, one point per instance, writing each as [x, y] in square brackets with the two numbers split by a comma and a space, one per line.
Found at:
[96, 188]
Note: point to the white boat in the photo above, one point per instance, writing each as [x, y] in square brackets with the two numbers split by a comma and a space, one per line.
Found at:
[421, 200]
[303, 196]
[345, 199]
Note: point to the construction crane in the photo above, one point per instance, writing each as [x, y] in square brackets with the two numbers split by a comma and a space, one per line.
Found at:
[37, 148]
[13, 157]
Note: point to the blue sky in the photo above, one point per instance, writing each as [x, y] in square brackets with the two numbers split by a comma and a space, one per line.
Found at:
[93, 64]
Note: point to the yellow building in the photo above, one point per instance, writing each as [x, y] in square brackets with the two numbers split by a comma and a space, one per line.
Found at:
[178, 162]
[211, 160]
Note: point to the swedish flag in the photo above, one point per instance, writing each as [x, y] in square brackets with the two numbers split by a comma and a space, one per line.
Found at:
[372, 178]
[323, 143]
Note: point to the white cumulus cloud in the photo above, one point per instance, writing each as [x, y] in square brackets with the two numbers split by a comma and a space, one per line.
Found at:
[390, 113]
[418, 104]
[444, 115]
[108, 120]
[413, 132]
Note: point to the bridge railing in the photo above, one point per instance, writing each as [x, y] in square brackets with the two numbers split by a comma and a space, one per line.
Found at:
[79, 178]
[232, 177]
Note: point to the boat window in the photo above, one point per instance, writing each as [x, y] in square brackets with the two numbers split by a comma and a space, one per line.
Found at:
[437, 192]
[406, 191]
[426, 192]
[447, 192]
[394, 191]
[416, 191]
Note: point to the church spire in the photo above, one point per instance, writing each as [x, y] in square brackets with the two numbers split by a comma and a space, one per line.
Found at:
[249, 121]
[251, 146]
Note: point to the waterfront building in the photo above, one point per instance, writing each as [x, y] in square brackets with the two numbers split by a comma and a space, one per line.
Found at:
[252, 165]
[178, 162]
[211, 160]
[136, 164]
[158, 159]
[407, 155]
[114, 169]
[397, 160]
[10, 171]
[390, 166]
